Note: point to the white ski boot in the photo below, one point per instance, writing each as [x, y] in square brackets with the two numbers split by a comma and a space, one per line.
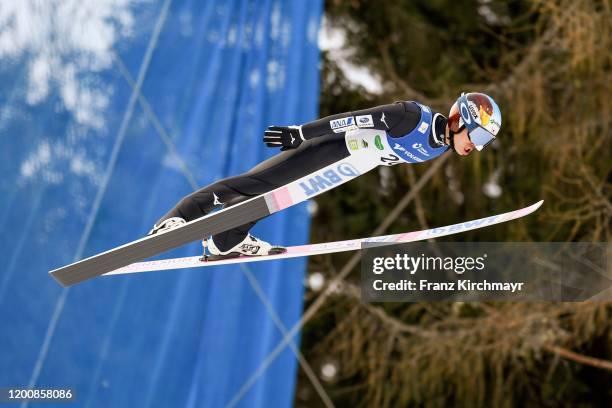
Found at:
[167, 225]
[250, 246]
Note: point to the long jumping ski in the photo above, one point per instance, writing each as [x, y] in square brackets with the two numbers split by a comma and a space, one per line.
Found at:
[253, 209]
[330, 247]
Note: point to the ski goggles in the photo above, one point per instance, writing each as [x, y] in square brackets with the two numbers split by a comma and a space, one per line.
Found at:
[478, 135]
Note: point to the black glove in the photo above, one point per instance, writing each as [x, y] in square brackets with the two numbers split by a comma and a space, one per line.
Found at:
[285, 137]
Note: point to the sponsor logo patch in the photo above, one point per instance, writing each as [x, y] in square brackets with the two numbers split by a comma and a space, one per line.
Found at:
[342, 124]
[423, 127]
[473, 110]
[465, 114]
[216, 200]
[250, 248]
[353, 145]
[327, 179]
[378, 143]
[384, 120]
[364, 121]
[493, 125]
[407, 153]
[364, 144]
[419, 147]
[413, 157]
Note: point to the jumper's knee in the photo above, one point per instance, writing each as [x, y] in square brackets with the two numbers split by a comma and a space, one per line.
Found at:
[190, 210]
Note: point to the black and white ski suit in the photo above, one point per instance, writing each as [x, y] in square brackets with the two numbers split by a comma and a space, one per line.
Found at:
[324, 143]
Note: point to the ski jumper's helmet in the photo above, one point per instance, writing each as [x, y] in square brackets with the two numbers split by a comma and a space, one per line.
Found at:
[479, 114]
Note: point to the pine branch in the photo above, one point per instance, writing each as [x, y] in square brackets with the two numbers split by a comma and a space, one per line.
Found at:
[580, 358]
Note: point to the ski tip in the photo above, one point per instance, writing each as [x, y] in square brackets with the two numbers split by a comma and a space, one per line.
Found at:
[531, 208]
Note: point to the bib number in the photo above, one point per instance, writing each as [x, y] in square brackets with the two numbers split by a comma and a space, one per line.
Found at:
[390, 160]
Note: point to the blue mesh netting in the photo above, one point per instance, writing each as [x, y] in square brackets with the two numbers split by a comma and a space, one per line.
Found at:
[88, 163]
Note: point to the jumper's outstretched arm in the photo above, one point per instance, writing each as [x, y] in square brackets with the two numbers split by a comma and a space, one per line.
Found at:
[397, 119]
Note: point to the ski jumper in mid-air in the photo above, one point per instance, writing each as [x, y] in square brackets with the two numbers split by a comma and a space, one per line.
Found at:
[402, 132]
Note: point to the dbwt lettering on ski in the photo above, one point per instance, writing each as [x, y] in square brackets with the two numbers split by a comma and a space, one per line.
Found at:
[328, 178]
[462, 226]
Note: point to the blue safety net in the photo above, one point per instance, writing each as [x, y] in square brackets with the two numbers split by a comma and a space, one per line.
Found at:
[110, 112]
